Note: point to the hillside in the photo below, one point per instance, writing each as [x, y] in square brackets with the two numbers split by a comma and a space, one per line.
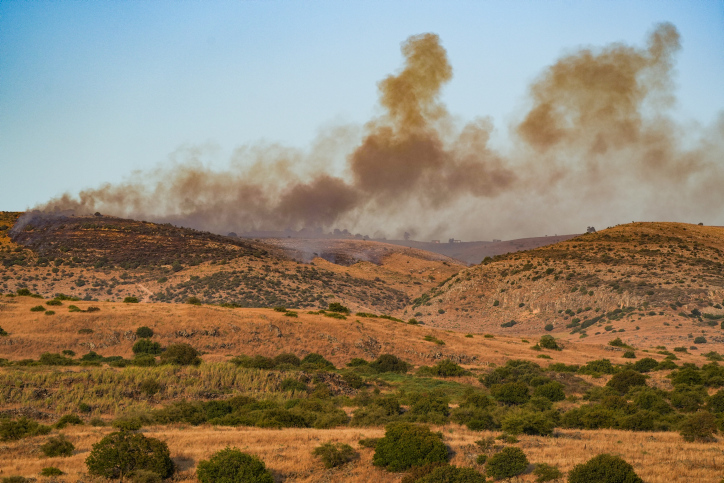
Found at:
[661, 283]
[99, 258]
[476, 251]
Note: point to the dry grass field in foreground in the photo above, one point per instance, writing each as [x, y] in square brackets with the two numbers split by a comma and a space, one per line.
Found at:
[656, 457]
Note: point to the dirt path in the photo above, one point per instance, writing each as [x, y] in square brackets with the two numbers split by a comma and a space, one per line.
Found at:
[148, 292]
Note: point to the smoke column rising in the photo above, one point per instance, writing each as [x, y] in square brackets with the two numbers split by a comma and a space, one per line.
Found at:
[595, 146]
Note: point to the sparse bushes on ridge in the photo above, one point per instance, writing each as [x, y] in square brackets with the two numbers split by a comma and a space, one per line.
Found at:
[23, 427]
[146, 346]
[232, 466]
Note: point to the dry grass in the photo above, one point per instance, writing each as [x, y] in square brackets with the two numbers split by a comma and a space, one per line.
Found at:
[656, 457]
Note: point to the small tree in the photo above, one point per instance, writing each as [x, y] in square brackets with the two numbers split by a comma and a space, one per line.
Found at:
[548, 342]
[508, 463]
[57, 446]
[700, 426]
[119, 454]
[406, 445]
[181, 354]
[604, 468]
[232, 466]
[146, 346]
[144, 332]
[389, 363]
[510, 393]
[339, 308]
[625, 380]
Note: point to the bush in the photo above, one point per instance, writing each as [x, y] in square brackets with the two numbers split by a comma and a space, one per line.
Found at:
[604, 468]
[51, 471]
[444, 368]
[389, 363]
[291, 384]
[144, 332]
[646, 364]
[38, 308]
[528, 422]
[406, 445]
[17, 479]
[339, 308]
[232, 466]
[625, 380]
[700, 340]
[548, 327]
[57, 446]
[146, 346]
[699, 426]
[629, 355]
[553, 391]
[333, 455]
[130, 300]
[317, 360]
[122, 453]
[181, 354]
[548, 342]
[193, 301]
[510, 393]
[452, 474]
[14, 430]
[287, 358]
[508, 463]
[67, 419]
[545, 472]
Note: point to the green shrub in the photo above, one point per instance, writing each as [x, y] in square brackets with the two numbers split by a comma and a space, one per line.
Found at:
[149, 387]
[146, 346]
[700, 426]
[232, 466]
[127, 424]
[389, 363]
[339, 308]
[317, 360]
[405, 445]
[553, 391]
[23, 427]
[601, 366]
[604, 468]
[38, 308]
[528, 422]
[510, 393]
[50, 359]
[646, 364]
[357, 362]
[625, 380]
[333, 455]
[180, 354]
[3, 332]
[67, 419]
[444, 368]
[51, 471]
[700, 340]
[545, 472]
[548, 327]
[368, 442]
[54, 302]
[144, 332]
[629, 355]
[121, 453]
[548, 342]
[287, 358]
[130, 300]
[193, 301]
[452, 474]
[510, 462]
[17, 479]
[57, 446]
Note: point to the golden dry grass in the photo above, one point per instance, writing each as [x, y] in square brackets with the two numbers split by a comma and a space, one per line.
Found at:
[656, 457]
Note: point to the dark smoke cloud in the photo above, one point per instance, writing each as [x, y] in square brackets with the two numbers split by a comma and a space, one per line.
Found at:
[595, 146]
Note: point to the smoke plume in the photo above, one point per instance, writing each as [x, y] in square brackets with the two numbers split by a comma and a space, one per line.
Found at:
[596, 146]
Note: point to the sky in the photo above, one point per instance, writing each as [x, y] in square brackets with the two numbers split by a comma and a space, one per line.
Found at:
[92, 91]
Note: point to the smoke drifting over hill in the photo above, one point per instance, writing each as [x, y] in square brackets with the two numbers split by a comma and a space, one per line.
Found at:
[595, 147]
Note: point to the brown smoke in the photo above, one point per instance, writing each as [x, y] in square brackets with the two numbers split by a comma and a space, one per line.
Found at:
[595, 147]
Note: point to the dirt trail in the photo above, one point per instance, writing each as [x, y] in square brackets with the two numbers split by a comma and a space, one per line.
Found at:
[148, 292]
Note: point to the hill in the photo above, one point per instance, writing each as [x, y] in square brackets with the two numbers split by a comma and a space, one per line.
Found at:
[661, 283]
[476, 251]
[106, 258]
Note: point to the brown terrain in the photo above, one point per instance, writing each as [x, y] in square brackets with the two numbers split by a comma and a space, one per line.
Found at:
[656, 286]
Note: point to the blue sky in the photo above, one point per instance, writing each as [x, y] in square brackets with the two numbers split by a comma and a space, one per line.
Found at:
[90, 91]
